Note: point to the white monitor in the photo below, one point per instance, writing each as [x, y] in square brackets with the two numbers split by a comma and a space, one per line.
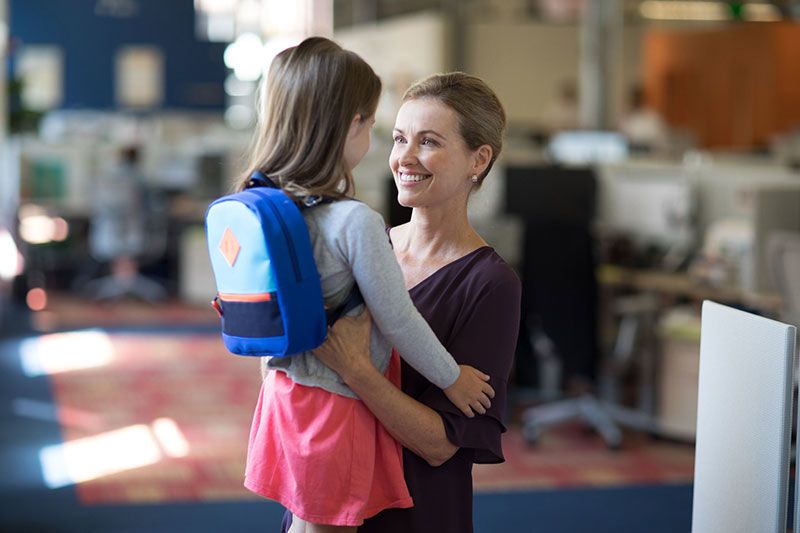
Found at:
[588, 147]
[652, 206]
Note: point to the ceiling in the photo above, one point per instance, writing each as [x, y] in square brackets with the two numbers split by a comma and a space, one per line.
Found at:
[352, 12]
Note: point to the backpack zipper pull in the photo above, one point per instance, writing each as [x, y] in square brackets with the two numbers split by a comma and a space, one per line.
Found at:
[216, 306]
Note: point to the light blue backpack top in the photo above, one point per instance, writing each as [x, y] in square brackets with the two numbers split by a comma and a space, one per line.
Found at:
[269, 296]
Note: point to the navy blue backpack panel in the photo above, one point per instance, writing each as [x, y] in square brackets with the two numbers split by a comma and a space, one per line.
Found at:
[268, 289]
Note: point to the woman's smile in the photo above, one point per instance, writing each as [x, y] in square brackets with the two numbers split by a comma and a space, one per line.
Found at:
[411, 178]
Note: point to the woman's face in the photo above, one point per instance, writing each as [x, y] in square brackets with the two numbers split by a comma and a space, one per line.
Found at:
[357, 144]
[430, 161]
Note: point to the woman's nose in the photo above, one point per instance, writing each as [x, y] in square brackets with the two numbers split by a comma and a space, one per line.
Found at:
[407, 153]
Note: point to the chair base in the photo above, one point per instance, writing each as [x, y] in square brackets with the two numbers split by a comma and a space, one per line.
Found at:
[603, 417]
[114, 287]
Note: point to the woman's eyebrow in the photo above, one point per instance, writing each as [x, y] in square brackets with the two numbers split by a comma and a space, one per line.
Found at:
[423, 132]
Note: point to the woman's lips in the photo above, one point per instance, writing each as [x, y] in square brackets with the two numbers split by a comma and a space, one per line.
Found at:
[411, 178]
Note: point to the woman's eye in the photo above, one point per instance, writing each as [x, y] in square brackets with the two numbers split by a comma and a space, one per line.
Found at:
[398, 139]
[427, 141]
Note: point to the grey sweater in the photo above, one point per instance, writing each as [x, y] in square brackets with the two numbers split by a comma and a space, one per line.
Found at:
[350, 245]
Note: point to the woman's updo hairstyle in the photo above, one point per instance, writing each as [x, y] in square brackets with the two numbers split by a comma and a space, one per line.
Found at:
[481, 117]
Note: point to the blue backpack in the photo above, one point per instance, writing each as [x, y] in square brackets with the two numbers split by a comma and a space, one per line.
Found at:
[269, 297]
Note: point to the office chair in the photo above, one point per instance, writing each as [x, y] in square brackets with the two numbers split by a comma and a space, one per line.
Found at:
[744, 422]
[560, 298]
[127, 230]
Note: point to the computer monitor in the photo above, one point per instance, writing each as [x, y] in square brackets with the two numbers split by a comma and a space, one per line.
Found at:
[587, 147]
[551, 193]
[649, 207]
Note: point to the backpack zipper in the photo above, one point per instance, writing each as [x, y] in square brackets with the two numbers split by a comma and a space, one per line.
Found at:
[290, 244]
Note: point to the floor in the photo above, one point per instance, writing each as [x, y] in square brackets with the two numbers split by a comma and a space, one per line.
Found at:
[128, 417]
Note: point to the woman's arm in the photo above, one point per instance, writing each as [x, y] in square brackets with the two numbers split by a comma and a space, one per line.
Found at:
[366, 248]
[416, 426]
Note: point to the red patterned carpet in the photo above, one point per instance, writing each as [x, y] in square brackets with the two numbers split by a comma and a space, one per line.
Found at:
[157, 417]
[569, 457]
[190, 403]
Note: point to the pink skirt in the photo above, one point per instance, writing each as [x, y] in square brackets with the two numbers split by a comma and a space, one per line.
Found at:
[323, 456]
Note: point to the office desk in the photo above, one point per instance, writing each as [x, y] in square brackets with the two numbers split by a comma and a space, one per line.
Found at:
[662, 399]
[681, 285]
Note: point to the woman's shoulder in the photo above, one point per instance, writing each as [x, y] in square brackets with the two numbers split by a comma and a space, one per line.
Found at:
[481, 273]
[488, 267]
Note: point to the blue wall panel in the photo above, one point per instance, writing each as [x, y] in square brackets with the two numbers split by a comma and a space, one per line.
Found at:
[193, 70]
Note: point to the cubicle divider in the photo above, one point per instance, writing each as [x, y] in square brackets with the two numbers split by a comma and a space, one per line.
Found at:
[744, 422]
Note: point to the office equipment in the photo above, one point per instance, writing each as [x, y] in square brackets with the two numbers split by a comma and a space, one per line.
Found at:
[650, 206]
[784, 256]
[762, 198]
[586, 147]
[211, 181]
[678, 371]
[56, 176]
[743, 422]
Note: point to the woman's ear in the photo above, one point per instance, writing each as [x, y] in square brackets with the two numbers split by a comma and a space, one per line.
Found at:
[483, 156]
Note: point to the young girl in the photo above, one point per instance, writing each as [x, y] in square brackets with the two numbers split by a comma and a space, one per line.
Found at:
[314, 447]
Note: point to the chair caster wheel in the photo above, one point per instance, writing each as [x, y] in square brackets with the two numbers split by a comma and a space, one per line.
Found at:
[531, 433]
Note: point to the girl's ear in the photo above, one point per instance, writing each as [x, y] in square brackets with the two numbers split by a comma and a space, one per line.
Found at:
[483, 156]
[354, 125]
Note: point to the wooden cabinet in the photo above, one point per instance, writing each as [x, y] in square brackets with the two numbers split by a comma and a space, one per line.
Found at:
[731, 87]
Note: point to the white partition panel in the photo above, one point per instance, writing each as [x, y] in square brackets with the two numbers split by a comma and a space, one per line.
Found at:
[744, 423]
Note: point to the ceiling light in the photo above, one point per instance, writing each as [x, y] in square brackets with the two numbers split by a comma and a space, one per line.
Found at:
[678, 10]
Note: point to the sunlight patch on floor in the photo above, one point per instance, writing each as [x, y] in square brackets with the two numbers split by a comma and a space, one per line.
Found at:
[64, 352]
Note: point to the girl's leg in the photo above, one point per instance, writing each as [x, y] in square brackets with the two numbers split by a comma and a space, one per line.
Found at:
[322, 528]
[308, 527]
[298, 525]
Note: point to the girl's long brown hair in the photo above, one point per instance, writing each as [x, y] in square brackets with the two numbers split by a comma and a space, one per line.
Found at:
[308, 101]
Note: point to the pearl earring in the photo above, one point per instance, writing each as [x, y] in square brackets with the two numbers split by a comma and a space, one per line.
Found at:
[475, 178]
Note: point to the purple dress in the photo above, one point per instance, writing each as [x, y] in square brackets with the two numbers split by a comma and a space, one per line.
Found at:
[473, 306]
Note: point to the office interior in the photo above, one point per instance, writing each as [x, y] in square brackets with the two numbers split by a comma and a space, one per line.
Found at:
[651, 162]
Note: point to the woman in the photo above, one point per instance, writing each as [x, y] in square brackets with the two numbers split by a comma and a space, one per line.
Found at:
[447, 136]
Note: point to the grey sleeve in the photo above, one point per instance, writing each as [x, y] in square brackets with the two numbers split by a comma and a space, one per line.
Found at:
[366, 247]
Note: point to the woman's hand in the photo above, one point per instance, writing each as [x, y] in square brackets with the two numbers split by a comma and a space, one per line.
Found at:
[471, 392]
[346, 350]
[416, 426]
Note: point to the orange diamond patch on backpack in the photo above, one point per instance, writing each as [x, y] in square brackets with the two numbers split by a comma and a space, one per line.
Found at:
[229, 246]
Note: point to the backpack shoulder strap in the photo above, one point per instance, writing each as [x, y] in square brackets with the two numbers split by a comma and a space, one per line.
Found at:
[353, 300]
[259, 179]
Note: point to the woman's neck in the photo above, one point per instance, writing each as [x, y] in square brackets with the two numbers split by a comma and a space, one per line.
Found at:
[438, 233]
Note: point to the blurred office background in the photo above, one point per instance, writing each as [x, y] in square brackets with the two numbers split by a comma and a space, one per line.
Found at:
[652, 161]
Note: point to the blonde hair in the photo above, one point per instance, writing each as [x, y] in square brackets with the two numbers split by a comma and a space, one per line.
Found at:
[481, 117]
[308, 101]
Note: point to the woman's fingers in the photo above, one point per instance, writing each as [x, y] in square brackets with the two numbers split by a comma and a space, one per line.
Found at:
[353, 329]
[485, 402]
[478, 408]
[348, 337]
[467, 410]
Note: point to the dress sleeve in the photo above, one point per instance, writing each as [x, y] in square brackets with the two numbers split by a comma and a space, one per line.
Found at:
[375, 269]
[484, 338]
